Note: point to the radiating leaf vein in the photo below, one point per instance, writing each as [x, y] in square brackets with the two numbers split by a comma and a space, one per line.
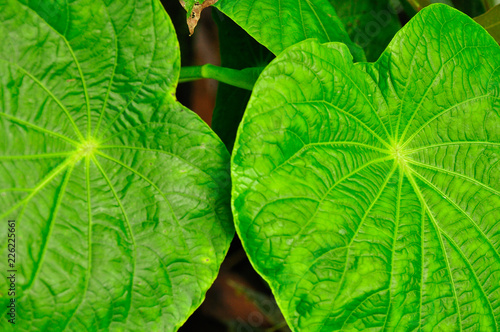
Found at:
[40, 129]
[441, 244]
[89, 244]
[466, 261]
[105, 102]
[340, 284]
[457, 207]
[465, 177]
[146, 76]
[409, 140]
[428, 89]
[335, 107]
[129, 227]
[108, 138]
[77, 63]
[145, 178]
[158, 151]
[36, 156]
[56, 171]
[450, 144]
[359, 304]
[361, 92]
[320, 202]
[58, 102]
[396, 230]
[51, 221]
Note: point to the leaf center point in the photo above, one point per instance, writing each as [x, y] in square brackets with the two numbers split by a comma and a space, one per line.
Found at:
[398, 153]
[87, 148]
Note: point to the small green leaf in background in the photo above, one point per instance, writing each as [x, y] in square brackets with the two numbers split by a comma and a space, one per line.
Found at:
[238, 51]
[370, 24]
[280, 24]
[368, 195]
[120, 194]
[491, 22]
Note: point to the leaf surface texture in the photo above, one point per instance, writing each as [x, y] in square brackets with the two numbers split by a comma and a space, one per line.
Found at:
[368, 195]
[119, 193]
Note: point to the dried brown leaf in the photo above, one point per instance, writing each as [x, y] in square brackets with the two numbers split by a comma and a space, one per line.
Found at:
[194, 16]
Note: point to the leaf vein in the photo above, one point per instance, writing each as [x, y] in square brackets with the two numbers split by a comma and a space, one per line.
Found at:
[129, 227]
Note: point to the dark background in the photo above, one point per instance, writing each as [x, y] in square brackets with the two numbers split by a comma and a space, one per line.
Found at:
[239, 300]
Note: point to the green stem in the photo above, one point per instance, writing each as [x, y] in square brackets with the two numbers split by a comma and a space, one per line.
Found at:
[244, 78]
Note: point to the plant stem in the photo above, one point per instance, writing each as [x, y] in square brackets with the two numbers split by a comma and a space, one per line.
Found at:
[244, 78]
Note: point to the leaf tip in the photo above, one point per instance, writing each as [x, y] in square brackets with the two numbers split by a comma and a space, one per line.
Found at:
[195, 12]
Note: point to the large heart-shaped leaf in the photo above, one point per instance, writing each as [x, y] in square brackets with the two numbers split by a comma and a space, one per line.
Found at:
[119, 193]
[368, 195]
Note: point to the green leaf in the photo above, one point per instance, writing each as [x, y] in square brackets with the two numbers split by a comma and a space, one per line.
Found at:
[368, 195]
[491, 22]
[370, 24]
[119, 193]
[280, 24]
[238, 51]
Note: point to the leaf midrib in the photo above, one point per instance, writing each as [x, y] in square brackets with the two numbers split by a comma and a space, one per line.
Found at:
[368, 210]
[104, 104]
[440, 232]
[84, 84]
[89, 243]
[146, 76]
[129, 228]
[52, 221]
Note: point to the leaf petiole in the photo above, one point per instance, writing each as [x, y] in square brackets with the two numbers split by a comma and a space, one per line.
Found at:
[244, 78]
